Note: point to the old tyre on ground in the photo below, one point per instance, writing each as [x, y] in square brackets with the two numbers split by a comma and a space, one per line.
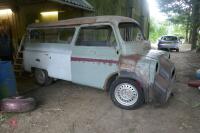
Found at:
[194, 83]
[42, 78]
[126, 94]
[17, 104]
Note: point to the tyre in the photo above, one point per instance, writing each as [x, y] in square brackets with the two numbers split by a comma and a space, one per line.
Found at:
[42, 78]
[177, 50]
[126, 94]
[17, 104]
[194, 83]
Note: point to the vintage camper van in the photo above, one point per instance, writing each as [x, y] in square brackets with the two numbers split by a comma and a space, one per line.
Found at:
[105, 52]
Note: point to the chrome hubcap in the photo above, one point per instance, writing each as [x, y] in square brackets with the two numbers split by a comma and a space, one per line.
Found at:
[126, 94]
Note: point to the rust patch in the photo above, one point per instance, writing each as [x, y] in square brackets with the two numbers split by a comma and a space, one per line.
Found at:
[129, 62]
[135, 57]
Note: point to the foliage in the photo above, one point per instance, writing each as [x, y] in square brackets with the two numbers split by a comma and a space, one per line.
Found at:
[175, 6]
[179, 12]
[179, 30]
[157, 30]
[185, 12]
[179, 18]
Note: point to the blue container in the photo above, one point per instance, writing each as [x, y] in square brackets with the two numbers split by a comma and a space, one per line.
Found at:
[7, 80]
[198, 74]
[5, 50]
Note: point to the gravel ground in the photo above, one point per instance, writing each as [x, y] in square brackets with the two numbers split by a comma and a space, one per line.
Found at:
[69, 108]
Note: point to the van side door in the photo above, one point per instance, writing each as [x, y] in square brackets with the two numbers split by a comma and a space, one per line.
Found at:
[50, 49]
[94, 55]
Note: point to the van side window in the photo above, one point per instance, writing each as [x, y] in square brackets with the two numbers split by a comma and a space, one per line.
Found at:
[96, 36]
[52, 35]
[36, 36]
[66, 35]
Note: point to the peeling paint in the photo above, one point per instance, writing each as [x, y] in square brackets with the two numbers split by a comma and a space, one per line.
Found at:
[143, 67]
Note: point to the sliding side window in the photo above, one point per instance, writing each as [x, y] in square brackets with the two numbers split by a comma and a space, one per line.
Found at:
[52, 35]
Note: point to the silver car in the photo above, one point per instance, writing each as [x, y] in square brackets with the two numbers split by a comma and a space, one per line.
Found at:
[169, 43]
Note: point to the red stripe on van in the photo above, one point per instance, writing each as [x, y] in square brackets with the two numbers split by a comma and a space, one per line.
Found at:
[93, 60]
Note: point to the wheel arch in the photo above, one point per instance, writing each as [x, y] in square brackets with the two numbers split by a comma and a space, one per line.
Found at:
[34, 68]
[124, 75]
[111, 78]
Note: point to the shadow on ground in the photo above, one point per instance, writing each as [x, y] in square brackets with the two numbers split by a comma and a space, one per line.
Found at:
[69, 108]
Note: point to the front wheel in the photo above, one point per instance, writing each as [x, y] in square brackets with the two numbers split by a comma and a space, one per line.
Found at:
[126, 94]
[177, 50]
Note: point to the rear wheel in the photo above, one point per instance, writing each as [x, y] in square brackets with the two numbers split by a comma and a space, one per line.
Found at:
[42, 78]
[126, 94]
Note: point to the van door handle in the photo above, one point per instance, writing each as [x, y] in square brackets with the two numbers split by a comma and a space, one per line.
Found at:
[117, 52]
[38, 60]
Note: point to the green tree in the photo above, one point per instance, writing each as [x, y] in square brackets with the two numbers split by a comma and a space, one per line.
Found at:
[183, 21]
[157, 30]
[185, 12]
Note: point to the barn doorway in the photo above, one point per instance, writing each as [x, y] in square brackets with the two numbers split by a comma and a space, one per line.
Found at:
[5, 35]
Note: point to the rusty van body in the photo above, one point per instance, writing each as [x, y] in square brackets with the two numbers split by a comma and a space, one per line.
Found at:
[105, 52]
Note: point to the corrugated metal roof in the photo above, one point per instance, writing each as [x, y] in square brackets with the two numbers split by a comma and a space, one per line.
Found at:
[83, 4]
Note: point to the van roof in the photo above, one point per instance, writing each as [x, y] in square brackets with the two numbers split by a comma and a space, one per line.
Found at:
[83, 20]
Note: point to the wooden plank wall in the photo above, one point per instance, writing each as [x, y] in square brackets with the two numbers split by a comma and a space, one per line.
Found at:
[140, 10]
[28, 13]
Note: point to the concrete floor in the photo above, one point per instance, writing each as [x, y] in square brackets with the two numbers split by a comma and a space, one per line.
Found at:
[69, 108]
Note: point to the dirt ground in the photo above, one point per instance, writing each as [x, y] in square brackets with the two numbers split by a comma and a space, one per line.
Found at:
[69, 108]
